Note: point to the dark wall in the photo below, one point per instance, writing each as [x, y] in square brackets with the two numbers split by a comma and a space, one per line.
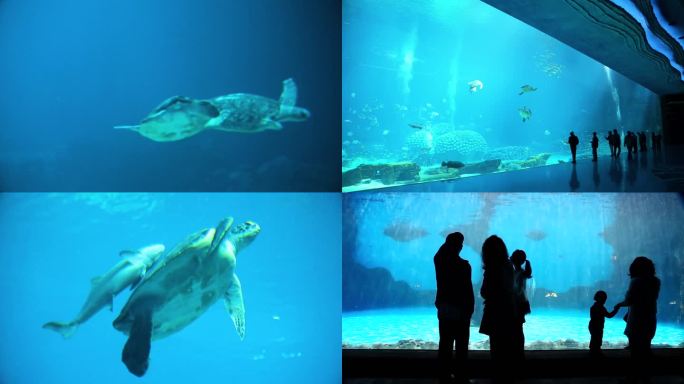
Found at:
[672, 107]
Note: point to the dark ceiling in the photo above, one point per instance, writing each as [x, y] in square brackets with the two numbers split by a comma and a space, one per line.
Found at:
[610, 35]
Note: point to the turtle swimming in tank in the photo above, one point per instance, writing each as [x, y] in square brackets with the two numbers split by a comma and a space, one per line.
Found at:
[245, 113]
[176, 118]
[180, 117]
[182, 286]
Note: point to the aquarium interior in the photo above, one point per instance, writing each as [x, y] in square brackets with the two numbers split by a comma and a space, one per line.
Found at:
[71, 71]
[53, 244]
[427, 82]
[577, 244]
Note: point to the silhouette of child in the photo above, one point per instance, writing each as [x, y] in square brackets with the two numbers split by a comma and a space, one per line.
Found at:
[598, 317]
[518, 257]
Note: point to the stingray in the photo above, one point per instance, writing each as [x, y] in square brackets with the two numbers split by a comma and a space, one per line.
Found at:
[404, 232]
[536, 235]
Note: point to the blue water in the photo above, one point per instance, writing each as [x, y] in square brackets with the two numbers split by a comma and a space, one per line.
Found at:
[407, 66]
[51, 245]
[362, 329]
[576, 244]
[71, 70]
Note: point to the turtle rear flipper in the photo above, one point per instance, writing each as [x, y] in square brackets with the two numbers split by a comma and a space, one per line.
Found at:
[136, 352]
[288, 98]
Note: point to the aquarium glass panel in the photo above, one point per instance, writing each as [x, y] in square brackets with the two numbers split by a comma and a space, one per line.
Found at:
[52, 246]
[436, 90]
[576, 244]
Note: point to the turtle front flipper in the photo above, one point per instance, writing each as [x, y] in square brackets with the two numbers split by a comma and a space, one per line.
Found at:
[136, 352]
[235, 305]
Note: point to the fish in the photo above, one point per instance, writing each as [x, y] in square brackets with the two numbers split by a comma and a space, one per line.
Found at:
[551, 294]
[475, 85]
[452, 164]
[526, 89]
[536, 235]
[547, 132]
[127, 272]
[385, 132]
[525, 113]
[416, 125]
[404, 232]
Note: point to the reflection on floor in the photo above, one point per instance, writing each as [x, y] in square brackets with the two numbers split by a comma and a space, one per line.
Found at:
[642, 173]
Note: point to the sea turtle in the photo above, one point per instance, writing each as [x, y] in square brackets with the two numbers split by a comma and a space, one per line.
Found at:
[176, 118]
[525, 113]
[526, 89]
[245, 113]
[182, 286]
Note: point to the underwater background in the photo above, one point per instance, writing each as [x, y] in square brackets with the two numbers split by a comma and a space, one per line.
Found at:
[441, 80]
[51, 245]
[72, 70]
[576, 244]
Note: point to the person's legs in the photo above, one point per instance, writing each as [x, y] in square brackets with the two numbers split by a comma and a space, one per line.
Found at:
[574, 152]
[446, 347]
[462, 339]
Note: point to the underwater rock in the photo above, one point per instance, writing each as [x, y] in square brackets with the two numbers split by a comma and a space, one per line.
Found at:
[466, 145]
[511, 152]
[385, 173]
[536, 160]
[487, 166]
[373, 288]
[539, 345]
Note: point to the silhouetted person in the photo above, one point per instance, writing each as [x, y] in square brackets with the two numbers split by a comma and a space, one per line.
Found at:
[499, 316]
[642, 141]
[641, 298]
[617, 142]
[611, 143]
[630, 143]
[594, 147]
[635, 143]
[598, 315]
[573, 141]
[522, 270]
[455, 304]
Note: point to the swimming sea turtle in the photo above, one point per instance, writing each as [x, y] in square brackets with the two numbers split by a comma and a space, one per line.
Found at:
[242, 112]
[526, 89]
[525, 113]
[180, 288]
[176, 118]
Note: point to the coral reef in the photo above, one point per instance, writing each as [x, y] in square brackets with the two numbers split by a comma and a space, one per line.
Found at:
[484, 345]
[465, 145]
[386, 173]
[420, 142]
[511, 152]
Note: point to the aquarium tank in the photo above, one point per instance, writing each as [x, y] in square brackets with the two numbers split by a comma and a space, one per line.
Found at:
[56, 250]
[576, 244]
[442, 89]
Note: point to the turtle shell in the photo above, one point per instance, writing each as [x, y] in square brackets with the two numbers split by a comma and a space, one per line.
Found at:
[243, 112]
[181, 287]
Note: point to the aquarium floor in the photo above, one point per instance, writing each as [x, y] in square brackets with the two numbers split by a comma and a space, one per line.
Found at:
[650, 173]
[391, 365]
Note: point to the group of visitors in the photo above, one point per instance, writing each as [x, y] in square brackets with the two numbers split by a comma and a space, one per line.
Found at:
[632, 141]
[506, 304]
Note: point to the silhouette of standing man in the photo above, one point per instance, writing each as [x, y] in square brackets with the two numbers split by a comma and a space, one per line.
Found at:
[455, 303]
[573, 141]
[594, 147]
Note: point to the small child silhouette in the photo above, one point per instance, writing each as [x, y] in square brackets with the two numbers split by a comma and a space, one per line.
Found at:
[598, 314]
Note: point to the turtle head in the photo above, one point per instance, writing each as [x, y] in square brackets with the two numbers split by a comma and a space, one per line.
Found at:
[240, 236]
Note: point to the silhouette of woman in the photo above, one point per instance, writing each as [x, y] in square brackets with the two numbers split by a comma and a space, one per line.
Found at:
[499, 314]
[641, 298]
